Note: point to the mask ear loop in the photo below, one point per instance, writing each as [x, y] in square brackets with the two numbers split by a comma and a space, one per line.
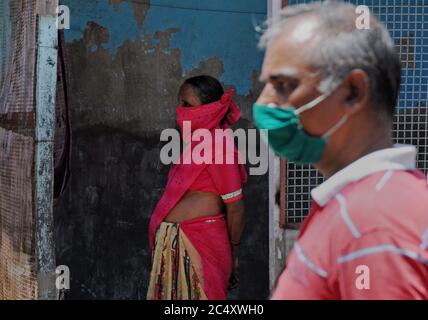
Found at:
[311, 104]
[336, 127]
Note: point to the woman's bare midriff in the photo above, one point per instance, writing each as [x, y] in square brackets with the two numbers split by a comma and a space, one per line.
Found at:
[195, 204]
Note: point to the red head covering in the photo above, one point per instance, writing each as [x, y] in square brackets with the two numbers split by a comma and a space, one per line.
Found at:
[218, 114]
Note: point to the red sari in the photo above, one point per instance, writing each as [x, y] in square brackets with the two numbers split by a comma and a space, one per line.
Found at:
[204, 241]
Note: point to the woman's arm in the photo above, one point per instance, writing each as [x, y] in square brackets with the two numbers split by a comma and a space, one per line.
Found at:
[235, 221]
[235, 213]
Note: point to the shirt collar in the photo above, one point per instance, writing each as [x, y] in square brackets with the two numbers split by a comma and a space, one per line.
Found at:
[400, 157]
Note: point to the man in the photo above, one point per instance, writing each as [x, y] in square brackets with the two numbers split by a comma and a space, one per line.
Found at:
[366, 236]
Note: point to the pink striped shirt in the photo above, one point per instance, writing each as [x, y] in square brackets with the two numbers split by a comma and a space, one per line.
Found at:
[366, 236]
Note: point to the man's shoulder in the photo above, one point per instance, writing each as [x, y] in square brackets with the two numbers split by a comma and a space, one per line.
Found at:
[389, 190]
[392, 200]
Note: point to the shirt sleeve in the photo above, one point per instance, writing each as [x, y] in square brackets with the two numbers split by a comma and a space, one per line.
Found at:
[378, 266]
[228, 180]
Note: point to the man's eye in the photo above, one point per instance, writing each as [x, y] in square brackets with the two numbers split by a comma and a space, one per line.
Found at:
[284, 89]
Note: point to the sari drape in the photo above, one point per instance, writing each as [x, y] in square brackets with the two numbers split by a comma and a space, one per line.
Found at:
[206, 238]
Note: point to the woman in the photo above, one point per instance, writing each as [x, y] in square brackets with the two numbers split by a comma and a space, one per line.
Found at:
[196, 228]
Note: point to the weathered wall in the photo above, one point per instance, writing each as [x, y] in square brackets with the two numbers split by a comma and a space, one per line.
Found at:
[126, 61]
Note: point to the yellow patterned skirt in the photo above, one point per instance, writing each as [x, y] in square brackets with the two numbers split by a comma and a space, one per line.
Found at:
[176, 268]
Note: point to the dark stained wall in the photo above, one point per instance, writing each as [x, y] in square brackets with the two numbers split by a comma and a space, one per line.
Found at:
[126, 61]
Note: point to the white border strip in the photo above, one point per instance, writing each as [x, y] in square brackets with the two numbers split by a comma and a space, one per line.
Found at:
[308, 263]
[384, 180]
[345, 216]
[385, 248]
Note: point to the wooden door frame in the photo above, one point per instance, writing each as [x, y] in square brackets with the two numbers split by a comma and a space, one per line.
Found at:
[46, 79]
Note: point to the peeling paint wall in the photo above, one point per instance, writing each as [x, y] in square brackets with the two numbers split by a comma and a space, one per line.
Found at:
[126, 61]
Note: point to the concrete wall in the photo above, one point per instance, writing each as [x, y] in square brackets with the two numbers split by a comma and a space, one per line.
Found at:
[126, 61]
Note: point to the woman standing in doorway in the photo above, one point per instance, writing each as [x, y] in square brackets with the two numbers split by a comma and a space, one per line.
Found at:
[196, 228]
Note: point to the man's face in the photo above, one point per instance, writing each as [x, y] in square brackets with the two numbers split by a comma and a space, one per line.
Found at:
[290, 80]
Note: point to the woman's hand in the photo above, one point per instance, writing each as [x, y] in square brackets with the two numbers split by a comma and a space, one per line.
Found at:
[234, 279]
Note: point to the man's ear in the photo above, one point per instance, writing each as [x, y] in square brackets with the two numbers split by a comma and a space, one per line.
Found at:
[358, 90]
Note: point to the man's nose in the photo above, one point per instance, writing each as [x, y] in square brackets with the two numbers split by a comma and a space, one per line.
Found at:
[268, 95]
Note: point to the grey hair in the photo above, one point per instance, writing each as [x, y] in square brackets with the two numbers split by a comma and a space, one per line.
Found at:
[342, 47]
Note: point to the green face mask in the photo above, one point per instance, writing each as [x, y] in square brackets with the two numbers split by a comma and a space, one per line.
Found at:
[286, 135]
